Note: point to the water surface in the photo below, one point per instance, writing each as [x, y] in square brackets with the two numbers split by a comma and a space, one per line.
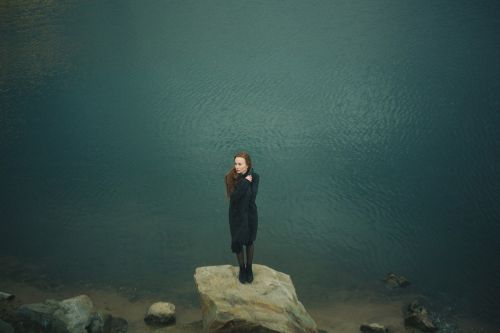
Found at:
[373, 125]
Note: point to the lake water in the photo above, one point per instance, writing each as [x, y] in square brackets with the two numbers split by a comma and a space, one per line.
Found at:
[373, 126]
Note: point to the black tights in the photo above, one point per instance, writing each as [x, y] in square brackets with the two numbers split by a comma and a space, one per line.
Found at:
[241, 258]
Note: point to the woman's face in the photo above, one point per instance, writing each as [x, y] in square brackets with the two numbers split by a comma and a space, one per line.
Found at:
[240, 165]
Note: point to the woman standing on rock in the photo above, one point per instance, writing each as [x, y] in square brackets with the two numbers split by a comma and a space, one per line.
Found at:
[242, 184]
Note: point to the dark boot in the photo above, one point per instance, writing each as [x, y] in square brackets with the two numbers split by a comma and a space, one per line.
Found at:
[249, 273]
[241, 261]
[242, 275]
[249, 262]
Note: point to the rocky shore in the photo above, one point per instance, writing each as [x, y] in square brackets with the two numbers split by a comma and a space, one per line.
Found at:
[270, 304]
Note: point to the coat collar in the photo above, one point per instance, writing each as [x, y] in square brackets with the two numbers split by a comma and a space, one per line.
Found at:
[249, 171]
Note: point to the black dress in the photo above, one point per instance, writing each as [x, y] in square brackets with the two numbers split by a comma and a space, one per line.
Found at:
[243, 217]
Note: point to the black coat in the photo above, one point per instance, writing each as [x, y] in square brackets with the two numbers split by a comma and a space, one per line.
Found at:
[243, 217]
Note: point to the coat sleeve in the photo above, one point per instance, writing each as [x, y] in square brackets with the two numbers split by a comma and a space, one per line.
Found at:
[240, 189]
[255, 185]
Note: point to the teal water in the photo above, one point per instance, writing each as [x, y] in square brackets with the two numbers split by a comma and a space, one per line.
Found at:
[373, 125]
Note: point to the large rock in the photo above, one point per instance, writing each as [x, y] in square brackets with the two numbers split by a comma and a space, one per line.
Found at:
[69, 316]
[269, 304]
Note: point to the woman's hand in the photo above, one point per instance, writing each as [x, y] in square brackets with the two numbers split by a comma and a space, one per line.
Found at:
[249, 178]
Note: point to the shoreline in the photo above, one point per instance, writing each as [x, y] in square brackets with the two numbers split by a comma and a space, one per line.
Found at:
[340, 311]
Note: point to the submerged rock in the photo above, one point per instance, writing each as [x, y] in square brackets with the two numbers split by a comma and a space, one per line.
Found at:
[373, 328]
[269, 304]
[394, 281]
[160, 314]
[417, 316]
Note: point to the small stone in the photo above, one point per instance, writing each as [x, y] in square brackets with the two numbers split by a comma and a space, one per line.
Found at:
[393, 280]
[418, 317]
[160, 314]
[403, 282]
[373, 328]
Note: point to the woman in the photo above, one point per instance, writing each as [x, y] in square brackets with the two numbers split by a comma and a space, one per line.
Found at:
[242, 184]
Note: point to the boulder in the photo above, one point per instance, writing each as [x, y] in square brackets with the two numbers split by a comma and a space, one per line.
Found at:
[373, 328]
[269, 304]
[75, 313]
[39, 317]
[72, 315]
[417, 316]
[160, 314]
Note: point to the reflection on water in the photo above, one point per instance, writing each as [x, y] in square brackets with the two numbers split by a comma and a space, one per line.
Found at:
[373, 127]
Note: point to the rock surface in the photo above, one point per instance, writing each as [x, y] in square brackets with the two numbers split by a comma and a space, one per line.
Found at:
[160, 314]
[269, 304]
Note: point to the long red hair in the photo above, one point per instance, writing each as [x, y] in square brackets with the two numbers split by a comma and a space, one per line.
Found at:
[232, 177]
